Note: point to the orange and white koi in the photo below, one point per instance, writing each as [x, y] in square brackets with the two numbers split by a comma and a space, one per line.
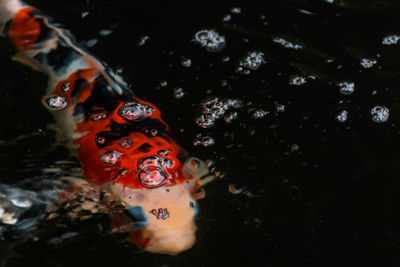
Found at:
[120, 140]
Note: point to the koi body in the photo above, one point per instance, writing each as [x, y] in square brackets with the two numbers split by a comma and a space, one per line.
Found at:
[120, 140]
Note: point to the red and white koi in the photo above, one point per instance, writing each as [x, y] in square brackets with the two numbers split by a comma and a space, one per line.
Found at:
[120, 140]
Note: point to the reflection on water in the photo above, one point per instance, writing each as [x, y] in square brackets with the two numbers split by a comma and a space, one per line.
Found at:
[309, 156]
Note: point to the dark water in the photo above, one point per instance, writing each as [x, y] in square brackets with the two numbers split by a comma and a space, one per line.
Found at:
[317, 191]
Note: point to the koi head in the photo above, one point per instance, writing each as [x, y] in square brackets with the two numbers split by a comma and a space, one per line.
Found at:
[163, 217]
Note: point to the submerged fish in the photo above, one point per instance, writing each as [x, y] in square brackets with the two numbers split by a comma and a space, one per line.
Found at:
[120, 140]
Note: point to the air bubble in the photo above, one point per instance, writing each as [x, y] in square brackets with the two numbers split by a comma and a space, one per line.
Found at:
[297, 80]
[163, 152]
[101, 140]
[92, 42]
[178, 93]
[163, 83]
[236, 10]
[123, 172]
[149, 161]
[167, 163]
[126, 143]
[213, 109]
[225, 59]
[204, 141]
[227, 17]
[346, 88]
[105, 32]
[84, 14]
[259, 113]
[286, 43]
[56, 102]
[186, 62]
[279, 107]
[110, 156]
[135, 111]
[143, 40]
[195, 163]
[100, 116]
[380, 114]
[210, 40]
[342, 116]
[367, 63]
[152, 176]
[230, 117]
[66, 86]
[251, 61]
[390, 40]
[153, 132]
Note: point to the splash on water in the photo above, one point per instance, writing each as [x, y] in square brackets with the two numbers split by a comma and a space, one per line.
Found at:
[214, 109]
[251, 61]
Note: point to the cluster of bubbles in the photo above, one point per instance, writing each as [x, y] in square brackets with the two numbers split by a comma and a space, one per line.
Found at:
[297, 80]
[152, 170]
[135, 111]
[251, 61]
[110, 156]
[209, 39]
[259, 113]
[390, 40]
[57, 102]
[286, 43]
[342, 116]
[367, 63]
[204, 141]
[346, 88]
[228, 118]
[380, 114]
[214, 109]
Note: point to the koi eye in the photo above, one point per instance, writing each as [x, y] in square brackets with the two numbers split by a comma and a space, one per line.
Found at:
[138, 216]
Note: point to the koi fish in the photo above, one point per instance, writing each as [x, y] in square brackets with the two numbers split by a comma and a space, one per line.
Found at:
[120, 140]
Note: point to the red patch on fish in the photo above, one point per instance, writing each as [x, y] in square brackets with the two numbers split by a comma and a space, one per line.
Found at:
[25, 29]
